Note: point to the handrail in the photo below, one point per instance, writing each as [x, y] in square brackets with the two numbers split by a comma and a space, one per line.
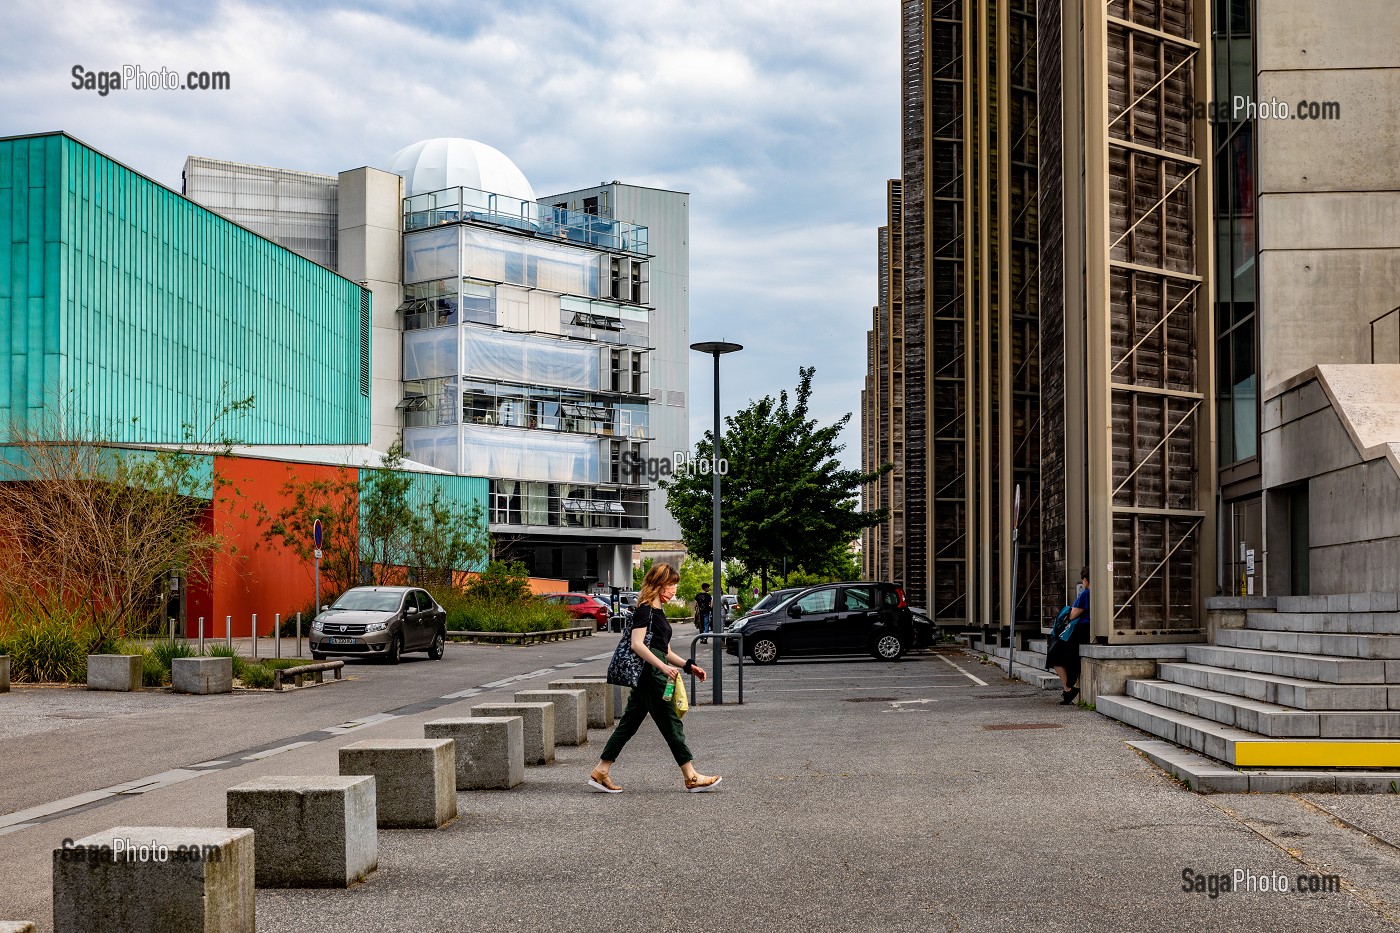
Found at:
[721, 636]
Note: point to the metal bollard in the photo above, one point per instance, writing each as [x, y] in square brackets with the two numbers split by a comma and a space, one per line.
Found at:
[172, 630]
[201, 634]
[298, 634]
[277, 635]
[228, 630]
[255, 636]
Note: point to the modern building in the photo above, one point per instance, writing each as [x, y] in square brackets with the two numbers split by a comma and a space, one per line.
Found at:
[516, 338]
[132, 316]
[1148, 257]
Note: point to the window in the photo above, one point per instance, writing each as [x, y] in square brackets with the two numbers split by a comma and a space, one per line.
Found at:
[860, 598]
[820, 601]
[590, 206]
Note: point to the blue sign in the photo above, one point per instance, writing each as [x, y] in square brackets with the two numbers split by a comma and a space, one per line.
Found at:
[317, 534]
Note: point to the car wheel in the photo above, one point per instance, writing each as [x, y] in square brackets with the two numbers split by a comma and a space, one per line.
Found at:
[395, 650]
[764, 650]
[438, 646]
[889, 647]
[317, 656]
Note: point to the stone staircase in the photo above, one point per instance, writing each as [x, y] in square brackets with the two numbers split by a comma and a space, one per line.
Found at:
[1311, 684]
[1026, 665]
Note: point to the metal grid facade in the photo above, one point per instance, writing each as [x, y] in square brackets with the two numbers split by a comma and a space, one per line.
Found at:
[296, 210]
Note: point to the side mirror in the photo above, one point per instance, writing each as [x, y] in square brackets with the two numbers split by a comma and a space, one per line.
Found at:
[411, 611]
[795, 611]
[324, 608]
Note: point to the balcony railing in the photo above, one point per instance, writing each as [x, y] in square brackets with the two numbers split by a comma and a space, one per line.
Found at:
[461, 205]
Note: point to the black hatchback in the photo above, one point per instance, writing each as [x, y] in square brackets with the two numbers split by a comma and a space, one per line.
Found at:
[836, 618]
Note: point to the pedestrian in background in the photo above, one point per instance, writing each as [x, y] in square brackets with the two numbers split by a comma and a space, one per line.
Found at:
[646, 698]
[704, 607]
[1063, 652]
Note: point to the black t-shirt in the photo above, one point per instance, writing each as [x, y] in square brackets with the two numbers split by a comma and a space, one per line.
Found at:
[702, 601]
[660, 626]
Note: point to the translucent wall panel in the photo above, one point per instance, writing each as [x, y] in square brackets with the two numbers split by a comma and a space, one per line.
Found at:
[502, 257]
[430, 353]
[430, 254]
[437, 447]
[488, 354]
[528, 455]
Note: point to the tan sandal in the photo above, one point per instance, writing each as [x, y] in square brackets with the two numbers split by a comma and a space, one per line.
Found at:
[701, 783]
[599, 780]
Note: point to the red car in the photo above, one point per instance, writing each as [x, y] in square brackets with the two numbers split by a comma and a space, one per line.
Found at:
[583, 605]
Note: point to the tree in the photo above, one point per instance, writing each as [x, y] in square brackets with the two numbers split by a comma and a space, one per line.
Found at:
[785, 495]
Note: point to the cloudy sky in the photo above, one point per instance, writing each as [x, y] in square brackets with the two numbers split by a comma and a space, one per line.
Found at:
[780, 118]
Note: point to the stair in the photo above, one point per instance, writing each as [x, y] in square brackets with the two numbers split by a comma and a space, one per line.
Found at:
[1028, 665]
[1312, 684]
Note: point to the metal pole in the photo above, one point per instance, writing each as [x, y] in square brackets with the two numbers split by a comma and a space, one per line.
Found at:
[255, 635]
[277, 635]
[1015, 563]
[201, 634]
[228, 630]
[317, 609]
[298, 634]
[717, 607]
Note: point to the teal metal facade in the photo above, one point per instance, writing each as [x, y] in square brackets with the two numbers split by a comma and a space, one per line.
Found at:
[135, 312]
[464, 492]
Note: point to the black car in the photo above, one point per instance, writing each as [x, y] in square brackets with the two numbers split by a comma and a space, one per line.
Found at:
[836, 618]
[770, 601]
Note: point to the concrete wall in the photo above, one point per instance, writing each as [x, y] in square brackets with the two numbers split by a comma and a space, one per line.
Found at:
[370, 251]
[1329, 190]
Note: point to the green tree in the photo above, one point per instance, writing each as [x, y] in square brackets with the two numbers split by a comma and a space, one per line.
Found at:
[785, 494]
[639, 573]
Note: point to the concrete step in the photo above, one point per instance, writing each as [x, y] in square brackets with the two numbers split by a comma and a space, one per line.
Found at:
[1371, 647]
[1038, 645]
[1327, 623]
[1028, 658]
[1205, 776]
[1036, 677]
[1341, 602]
[1284, 691]
[1269, 719]
[1301, 666]
[1246, 749]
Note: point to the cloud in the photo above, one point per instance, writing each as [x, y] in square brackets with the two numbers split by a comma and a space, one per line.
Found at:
[780, 118]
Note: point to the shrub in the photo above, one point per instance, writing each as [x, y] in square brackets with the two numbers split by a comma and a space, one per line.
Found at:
[256, 676]
[501, 582]
[224, 651]
[677, 611]
[50, 650]
[533, 615]
[167, 651]
[153, 673]
[289, 620]
[281, 664]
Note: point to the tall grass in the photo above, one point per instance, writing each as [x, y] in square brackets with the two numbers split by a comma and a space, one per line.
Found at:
[50, 649]
[465, 614]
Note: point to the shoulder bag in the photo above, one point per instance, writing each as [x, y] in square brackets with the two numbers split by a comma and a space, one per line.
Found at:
[625, 668]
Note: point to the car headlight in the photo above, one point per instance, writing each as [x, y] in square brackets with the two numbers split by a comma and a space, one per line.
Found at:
[738, 625]
[376, 627]
[317, 626]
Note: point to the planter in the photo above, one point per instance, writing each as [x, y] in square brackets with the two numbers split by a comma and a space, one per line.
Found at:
[120, 672]
[521, 638]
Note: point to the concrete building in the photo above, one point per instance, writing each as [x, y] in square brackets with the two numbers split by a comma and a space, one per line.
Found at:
[540, 343]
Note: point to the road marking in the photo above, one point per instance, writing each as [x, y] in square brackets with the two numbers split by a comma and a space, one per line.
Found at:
[210, 764]
[898, 704]
[600, 657]
[461, 694]
[259, 756]
[945, 660]
[568, 664]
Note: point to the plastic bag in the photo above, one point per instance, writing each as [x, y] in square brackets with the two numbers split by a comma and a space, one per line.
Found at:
[679, 701]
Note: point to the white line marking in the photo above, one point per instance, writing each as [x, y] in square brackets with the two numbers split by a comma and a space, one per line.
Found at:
[461, 694]
[944, 659]
[599, 657]
[499, 683]
[849, 689]
[900, 704]
[275, 751]
[568, 664]
[210, 764]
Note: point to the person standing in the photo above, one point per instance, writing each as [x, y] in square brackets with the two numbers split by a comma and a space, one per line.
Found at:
[704, 608]
[661, 664]
[1063, 653]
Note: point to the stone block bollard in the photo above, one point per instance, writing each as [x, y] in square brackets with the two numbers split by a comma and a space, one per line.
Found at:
[415, 780]
[313, 832]
[144, 879]
[600, 699]
[490, 751]
[121, 672]
[538, 719]
[202, 675]
[570, 713]
[4, 673]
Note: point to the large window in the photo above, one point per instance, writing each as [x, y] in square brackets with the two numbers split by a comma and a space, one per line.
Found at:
[1236, 247]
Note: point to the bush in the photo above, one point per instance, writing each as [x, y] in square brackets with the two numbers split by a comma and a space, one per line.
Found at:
[167, 651]
[281, 664]
[153, 673]
[501, 582]
[289, 620]
[224, 651]
[50, 650]
[532, 615]
[256, 676]
[676, 611]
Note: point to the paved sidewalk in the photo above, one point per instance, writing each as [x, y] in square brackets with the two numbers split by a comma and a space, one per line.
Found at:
[857, 796]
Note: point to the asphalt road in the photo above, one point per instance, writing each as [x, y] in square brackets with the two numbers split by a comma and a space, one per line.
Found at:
[857, 796]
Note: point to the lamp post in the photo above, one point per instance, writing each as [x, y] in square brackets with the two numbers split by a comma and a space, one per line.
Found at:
[716, 348]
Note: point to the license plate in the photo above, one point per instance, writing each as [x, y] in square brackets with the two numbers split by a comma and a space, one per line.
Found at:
[341, 641]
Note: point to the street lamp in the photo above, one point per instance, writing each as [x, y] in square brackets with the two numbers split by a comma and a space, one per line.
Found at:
[716, 348]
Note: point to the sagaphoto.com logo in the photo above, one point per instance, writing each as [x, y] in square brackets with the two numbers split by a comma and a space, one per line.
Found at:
[136, 78]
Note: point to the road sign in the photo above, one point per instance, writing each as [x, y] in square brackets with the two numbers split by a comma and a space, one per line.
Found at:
[318, 553]
[316, 533]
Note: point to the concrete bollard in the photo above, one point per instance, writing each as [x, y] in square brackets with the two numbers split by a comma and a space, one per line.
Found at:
[120, 672]
[201, 675]
[415, 780]
[600, 699]
[538, 720]
[313, 832]
[490, 751]
[113, 882]
[570, 713]
[16, 926]
[4, 673]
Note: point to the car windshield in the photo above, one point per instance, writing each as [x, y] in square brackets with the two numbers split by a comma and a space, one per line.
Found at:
[368, 601]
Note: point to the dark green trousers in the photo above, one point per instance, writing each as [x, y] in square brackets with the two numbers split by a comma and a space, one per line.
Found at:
[645, 700]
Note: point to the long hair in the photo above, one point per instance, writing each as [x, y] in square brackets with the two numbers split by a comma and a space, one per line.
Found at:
[658, 576]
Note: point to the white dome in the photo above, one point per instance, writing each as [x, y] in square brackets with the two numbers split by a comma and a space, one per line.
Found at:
[434, 164]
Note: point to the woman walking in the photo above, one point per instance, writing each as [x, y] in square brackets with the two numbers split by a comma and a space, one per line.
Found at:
[661, 664]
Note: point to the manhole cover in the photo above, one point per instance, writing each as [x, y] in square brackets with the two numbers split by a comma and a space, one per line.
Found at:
[1007, 726]
[870, 699]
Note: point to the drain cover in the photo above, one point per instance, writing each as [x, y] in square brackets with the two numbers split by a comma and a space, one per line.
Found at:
[1007, 726]
[870, 699]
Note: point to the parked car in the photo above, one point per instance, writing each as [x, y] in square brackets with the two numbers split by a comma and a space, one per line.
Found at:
[769, 601]
[381, 622]
[837, 618]
[584, 605]
[925, 632]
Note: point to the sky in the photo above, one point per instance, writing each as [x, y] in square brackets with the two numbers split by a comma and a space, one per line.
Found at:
[780, 118]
